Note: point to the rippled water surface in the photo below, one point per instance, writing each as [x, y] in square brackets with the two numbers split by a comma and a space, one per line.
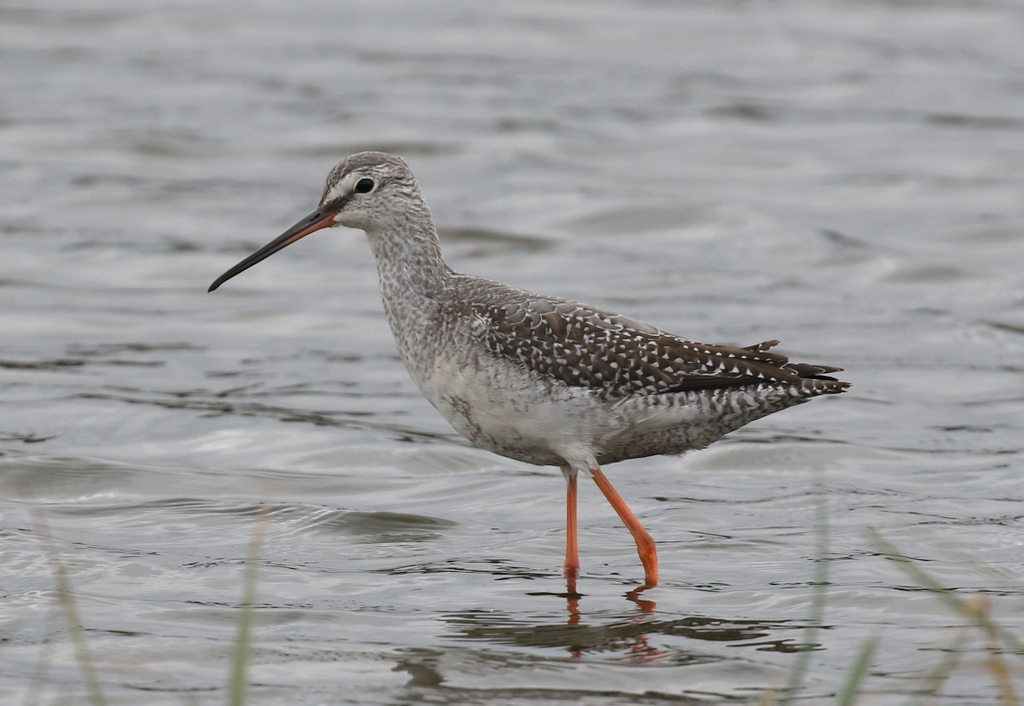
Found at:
[843, 176]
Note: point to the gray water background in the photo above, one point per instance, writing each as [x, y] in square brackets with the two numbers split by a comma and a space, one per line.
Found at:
[844, 176]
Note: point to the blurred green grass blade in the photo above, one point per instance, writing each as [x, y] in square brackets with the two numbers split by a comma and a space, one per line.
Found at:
[66, 598]
[240, 662]
[981, 606]
[942, 593]
[819, 598]
[42, 670]
[861, 667]
[932, 690]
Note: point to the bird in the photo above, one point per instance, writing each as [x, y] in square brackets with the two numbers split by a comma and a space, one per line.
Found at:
[542, 379]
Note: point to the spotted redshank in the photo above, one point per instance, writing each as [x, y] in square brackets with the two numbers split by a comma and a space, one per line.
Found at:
[540, 379]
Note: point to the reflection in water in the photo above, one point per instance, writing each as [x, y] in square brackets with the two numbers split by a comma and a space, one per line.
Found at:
[637, 647]
[645, 606]
[431, 681]
[634, 638]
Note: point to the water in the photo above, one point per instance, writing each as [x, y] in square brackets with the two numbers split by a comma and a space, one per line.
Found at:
[845, 177]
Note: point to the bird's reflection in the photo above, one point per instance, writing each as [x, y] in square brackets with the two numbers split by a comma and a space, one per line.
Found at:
[637, 646]
[634, 633]
[572, 597]
[645, 606]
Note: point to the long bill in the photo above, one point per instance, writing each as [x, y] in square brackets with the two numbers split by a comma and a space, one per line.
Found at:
[310, 224]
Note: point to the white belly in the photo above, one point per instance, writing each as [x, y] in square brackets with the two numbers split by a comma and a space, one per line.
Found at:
[505, 410]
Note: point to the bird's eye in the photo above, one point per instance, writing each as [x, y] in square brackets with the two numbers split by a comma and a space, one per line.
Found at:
[364, 186]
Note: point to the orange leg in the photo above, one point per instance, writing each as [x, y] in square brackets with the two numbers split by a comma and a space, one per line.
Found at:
[644, 541]
[571, 568]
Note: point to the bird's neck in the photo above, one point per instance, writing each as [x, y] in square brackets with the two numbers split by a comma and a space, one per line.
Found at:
[412, 277]
[409, 259]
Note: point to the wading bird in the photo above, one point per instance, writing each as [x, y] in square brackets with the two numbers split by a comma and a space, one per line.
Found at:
[540, 379]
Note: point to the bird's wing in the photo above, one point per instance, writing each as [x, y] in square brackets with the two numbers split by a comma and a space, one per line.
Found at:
[582, 346]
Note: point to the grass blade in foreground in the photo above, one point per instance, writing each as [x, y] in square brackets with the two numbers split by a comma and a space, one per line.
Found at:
[946, 595]
[240, 663]
[818, 599]
[976, 610]
[70, 608]
[848, 696]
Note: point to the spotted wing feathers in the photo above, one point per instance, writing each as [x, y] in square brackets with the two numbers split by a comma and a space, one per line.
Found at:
[585, 347]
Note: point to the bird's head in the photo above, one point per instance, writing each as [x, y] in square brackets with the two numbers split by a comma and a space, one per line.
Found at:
[366, 191]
